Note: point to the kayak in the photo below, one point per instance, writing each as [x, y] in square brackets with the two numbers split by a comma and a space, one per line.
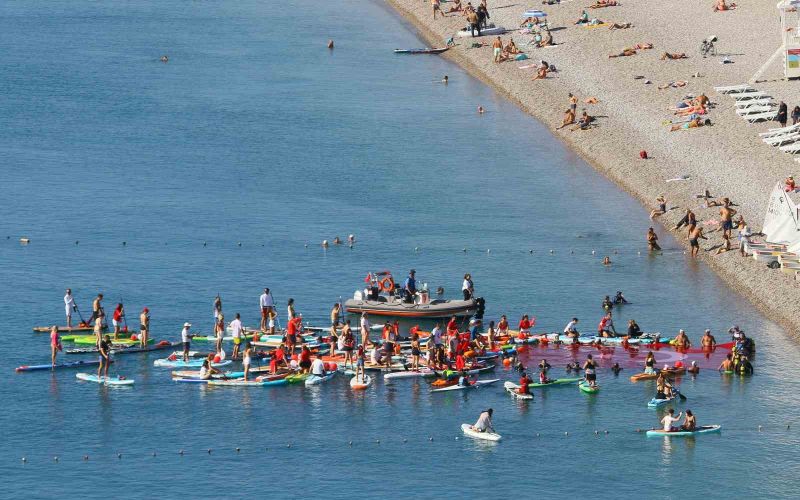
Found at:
[360, 383]
[90, 377]
[422, 372]
[192, 363]
[316, 380]
[655, 403]
[46, 329]
[73, 364]
[706, 429]
[426, 50]
[513, 389]
[91, 339]
[124, 349]
[585, 387]
[477, 383]
[558, 381]
[486, 436]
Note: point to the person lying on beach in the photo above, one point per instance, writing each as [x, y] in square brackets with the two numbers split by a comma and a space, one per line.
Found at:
[541, 73]
[697, 122]
[584, 123]
[618, 26]
[697, 109]
[457, 7]
[569, 119]
[674, 55]
[599, 4]
[511, 48]
[591, 100]
[530, 22]
[674, 85]
[720, 6]
[725, 247]
[631, 51]
[789, 185]
[624, 53]
[583, 19]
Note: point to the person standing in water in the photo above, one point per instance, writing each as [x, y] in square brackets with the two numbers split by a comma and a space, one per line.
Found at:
[55, 345]
[484, 423]
[708, 340]
[69, 306]
[652, 240]
[695, 235]
[144, 327]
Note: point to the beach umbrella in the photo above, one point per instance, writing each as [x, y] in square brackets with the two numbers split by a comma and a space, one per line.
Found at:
[534, 13]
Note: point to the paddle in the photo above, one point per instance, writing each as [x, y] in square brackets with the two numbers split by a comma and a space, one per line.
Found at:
[680, 395]
[79, 313]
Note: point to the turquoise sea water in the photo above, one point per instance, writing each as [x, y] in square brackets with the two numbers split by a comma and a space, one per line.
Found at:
[255, 133]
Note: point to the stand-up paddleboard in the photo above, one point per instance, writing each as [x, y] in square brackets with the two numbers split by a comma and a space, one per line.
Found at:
[237, 383]
[315, 380]
[513, 389]
[359, 383]
[473, 385]
[90, 377]
[46, 329]
[422, 372]
[588, 389]
[192, 363]
[486, 436]
[706, 429]
[59, 366]
[426, 50]
[655, 403]
[558, 381]
[643, 376]
[121, 349]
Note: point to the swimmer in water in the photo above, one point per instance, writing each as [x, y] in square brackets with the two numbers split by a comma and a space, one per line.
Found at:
[616, 368]
[480, 110]
[330, 44]
[164, 59]
[445, 79]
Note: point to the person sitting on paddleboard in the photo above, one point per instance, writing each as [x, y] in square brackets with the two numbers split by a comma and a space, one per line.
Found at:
[305, 359]
[689, 423]
[650, 363]
[207, 371]
[544, 366]
[590, 373]
[463, 380]
[318, 366]
[523, 384]
[502, 325]
[634, 330]
[619, 298]
[670, 419]
[525, 325]
[543, 376]
[484, 423]
[571, 330]
[663, 387]
[727, 364]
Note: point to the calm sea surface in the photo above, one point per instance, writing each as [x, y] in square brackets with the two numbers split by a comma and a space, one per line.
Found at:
[255, 133]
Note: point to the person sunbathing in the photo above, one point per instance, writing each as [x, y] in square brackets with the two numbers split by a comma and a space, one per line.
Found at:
[625, 53]
[569, 119]
[529, 22]
[674, 55]
[697, 122]
[643, 46]
[541, 73]
[511, 48]
[619, 26]
[584, 19]
[599, 4]
[679, 83]
[591, 100]
[584, 123]
[547, 41]
[720, 6]
[692, 110]
[456, 7]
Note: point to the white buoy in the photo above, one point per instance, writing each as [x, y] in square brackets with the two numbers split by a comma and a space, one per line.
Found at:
[464, 250]
[488, 250]
[593, 252]
[324, 243]
[552, 251]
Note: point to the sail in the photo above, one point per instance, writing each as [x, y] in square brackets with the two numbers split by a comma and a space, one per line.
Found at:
[780, 222]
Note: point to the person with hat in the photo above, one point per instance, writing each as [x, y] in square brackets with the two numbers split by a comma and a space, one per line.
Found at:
[144, 327]
[186, 341]
[267, 305]
[484, 423]
[410, 287]
[708, 340]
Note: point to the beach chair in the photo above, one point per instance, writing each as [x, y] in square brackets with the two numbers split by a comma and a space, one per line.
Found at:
[733, 89]
[750, 95]
[753, 102]
[791, 148]
[780, 140]
[767, 115]
[754, 110]
[780, 131]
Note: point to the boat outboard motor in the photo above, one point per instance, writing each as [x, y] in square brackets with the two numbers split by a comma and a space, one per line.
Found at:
[481, 307]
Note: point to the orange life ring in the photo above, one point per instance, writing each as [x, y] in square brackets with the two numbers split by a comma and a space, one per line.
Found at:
[386, 284]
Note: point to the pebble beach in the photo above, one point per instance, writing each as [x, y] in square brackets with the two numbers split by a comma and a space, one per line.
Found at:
[727, 158]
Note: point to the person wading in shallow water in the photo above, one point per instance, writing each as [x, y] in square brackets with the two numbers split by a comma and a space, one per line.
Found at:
[652, 240]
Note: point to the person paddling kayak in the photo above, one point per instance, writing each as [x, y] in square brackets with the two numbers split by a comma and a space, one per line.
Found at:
[484, 423]
[670, 419]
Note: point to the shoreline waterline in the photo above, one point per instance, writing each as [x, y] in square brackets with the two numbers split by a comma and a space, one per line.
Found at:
[747, 278]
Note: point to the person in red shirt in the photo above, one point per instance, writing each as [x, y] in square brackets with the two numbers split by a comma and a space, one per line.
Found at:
[502, 325]
[305, 359]
[523, 384]
[116, 319]
[525, 325]
[543, 377]
[460, 363]
[452, 326]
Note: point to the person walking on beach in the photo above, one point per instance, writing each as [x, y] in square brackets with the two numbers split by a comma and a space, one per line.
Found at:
[236, 333]
[497, 47]
[474, 21]
[69, 306]
[782, 116]
[144, 327]
[652, 240]
[267, 305]
[695, 235]
[437, 7]
[726, 214]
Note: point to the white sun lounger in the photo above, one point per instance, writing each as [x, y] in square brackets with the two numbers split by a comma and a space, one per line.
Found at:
[780, 140]
[780, 131]
[791, 148]
[750, 95]
[753, 102]
[755, 110]
[767, 115]
[733, 89]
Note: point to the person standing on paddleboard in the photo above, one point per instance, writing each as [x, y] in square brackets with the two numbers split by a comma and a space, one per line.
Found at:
[97, 307]
[219, 331]
[186, 341]
[69, 306]
[484, 423]
[55, 344]
[104, 348]
[144, 327]
[236, 333]
[590, 371]
[267, 305]
[116, 319]
[217, 309]
[98, 326]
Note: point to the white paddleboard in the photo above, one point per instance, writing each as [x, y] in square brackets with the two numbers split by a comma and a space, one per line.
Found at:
[422, 372]
[513, 389]
[90, 377]
[486, 436]
[360, 383]
[475, 384]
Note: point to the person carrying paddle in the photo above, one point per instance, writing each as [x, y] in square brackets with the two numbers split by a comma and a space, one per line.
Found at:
[117, 318]
[69, 306]
[55, 344]
[237, 334]
[267, 306]
[484, 423]
[186, 341]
